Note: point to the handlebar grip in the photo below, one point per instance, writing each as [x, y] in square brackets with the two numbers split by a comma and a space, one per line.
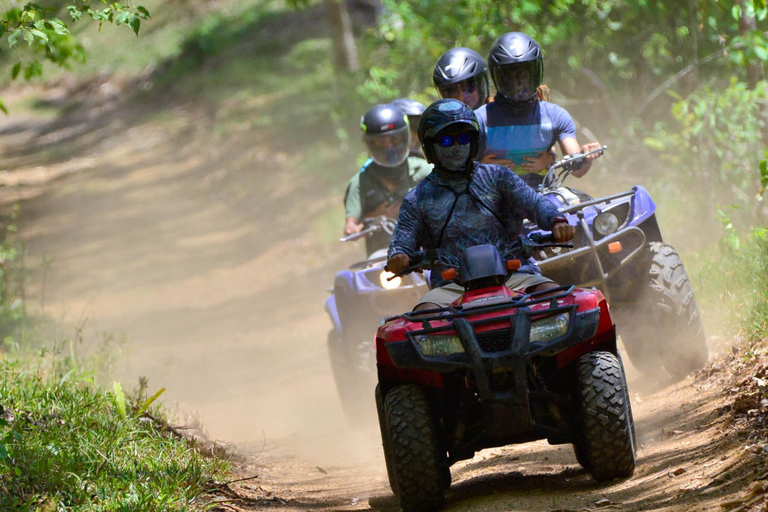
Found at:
[542, 238]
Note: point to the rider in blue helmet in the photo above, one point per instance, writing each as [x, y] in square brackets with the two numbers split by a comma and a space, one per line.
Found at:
[463, 203]
[519, 129]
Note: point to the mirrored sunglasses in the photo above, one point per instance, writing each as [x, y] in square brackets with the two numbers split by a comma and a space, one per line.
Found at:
[447, 140]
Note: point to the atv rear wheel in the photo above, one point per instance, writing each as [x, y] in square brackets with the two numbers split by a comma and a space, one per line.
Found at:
[606, 445]
[386, 441]
[418, 464]
[352, 388]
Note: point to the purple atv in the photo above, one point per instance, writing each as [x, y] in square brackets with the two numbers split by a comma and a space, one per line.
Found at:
[360, 298]
[619, 249]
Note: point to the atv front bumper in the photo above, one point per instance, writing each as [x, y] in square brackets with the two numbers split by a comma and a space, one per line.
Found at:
[506, 407]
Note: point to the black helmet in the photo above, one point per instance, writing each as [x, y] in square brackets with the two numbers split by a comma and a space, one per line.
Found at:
[457, 65]
[517, 66]
[386, 134]
[439, 116]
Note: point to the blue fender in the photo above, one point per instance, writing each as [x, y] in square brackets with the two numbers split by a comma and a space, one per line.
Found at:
[330, 308]
[643, 208]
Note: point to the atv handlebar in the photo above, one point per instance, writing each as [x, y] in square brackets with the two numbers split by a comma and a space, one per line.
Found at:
[370, 226]
[525, 246]
[568, 165]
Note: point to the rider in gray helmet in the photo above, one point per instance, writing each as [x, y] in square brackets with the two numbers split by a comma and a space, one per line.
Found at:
[413, 110]
[384, 180]
[461, 74]
[519, 130]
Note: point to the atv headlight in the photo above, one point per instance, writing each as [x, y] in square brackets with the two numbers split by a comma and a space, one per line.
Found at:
[389, 285]
[439, 345]
[606, 223]
[549, 328]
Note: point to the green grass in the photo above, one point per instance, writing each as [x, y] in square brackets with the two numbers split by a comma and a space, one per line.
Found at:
[731, 283]
[68, 444]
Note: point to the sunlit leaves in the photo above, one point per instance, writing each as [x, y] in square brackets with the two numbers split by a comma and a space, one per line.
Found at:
[49, 36]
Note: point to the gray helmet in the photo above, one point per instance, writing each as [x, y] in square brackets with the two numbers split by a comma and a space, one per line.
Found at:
[386, 134]
[517, 66]
[439, 116]
[457, 65]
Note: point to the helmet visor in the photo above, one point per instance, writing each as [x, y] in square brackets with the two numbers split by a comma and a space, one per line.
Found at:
[389, 149]
[519, 81]
[472, 91]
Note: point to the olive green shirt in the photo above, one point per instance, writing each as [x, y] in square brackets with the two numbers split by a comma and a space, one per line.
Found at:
[358, 202]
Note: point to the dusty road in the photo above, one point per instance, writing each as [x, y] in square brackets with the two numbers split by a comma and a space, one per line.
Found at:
[209, 262]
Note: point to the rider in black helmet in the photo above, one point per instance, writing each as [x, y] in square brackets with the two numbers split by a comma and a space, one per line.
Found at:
[385, 179]
[463, 203]
[519, 130]
[413, 110]
[461, 74]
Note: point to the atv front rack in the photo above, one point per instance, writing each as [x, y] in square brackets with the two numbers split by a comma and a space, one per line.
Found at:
[630, 237]
[450, 312]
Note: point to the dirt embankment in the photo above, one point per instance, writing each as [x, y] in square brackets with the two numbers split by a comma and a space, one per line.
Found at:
[207, 258]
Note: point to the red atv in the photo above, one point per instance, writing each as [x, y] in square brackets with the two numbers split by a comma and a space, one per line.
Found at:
[499, 367]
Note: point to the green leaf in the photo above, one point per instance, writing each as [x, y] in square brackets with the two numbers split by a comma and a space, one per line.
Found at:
[39, 34]
[143, 12]
[3, 451]
[135, 23]
[761, 52]
[736, 12]
[758, 4]
[122, 17]
[764, 173]
[150, 400]
[14, 37]
[119, 399]
[28, 37]
[15, 70]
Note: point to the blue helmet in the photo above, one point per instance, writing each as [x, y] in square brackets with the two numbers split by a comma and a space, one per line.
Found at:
[442, 114]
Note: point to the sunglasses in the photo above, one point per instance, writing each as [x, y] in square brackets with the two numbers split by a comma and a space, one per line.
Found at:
[447, 140]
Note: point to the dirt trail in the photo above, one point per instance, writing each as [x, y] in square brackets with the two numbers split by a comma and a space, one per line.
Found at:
[206, 259]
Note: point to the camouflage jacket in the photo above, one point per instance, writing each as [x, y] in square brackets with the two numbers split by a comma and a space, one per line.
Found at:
[451, 215]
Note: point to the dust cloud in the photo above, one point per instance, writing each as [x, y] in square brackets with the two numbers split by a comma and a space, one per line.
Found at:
[206, 258]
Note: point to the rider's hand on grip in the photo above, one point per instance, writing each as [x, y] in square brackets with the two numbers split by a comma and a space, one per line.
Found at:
[563, 232]
[398, 262]
[352, 225]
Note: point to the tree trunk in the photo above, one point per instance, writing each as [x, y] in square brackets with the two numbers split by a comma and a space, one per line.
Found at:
[345, 52]
[746, 25]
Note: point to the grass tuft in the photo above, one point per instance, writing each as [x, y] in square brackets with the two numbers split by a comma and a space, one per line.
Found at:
[66, 443]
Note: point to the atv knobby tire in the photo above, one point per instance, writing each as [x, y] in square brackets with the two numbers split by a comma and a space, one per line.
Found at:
[386, 441]
[418, 465]
[667, 327]
[606, 445]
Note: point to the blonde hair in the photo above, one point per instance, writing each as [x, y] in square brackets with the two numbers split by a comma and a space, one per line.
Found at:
[542, 93]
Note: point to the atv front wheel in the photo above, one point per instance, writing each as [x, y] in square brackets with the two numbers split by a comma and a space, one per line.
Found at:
[418, 464]
[386, 441]
[606, 445]
[665, 327]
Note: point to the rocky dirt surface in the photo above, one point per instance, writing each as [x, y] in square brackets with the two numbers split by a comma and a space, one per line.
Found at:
[205, 254]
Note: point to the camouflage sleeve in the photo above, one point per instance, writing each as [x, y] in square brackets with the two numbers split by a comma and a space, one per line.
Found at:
[407, 235]
[536, 207]
[352, 205]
